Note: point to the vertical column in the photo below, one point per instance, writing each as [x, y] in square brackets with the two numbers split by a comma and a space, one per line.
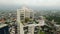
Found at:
[33, 15]
[24, 14]
[20, 25]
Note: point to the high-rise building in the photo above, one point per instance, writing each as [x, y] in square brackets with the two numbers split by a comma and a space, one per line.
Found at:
[26, 13]
[21, 15]
[28, 28]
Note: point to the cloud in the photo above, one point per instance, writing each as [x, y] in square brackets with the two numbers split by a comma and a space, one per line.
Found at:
[31, 2]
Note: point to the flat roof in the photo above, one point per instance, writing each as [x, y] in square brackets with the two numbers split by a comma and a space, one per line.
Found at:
[2, 25]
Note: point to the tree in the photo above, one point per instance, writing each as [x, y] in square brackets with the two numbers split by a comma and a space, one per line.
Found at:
[27, 19]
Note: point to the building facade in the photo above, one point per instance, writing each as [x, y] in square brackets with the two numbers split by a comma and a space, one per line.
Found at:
[4, 29]
[28, 28]
[26, 13]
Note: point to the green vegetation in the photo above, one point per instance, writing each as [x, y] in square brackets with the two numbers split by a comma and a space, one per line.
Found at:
[51, 17]
[41, 32]
[27, 19]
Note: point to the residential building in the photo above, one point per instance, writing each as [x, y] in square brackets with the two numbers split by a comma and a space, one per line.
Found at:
[26, 13]
[4, 29]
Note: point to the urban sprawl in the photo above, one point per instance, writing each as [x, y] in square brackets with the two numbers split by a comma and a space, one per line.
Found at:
[26, 21]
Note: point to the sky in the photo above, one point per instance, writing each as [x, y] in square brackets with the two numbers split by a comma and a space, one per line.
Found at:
[14, 4]
[31, 2]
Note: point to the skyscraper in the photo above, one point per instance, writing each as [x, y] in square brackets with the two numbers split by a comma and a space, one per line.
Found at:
[21, 15]
[26, 12]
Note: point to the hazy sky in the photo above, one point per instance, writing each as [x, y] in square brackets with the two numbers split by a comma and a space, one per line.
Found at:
[31, 2]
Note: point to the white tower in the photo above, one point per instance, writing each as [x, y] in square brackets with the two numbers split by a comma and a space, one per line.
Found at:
[20, 25]
[25, 12]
